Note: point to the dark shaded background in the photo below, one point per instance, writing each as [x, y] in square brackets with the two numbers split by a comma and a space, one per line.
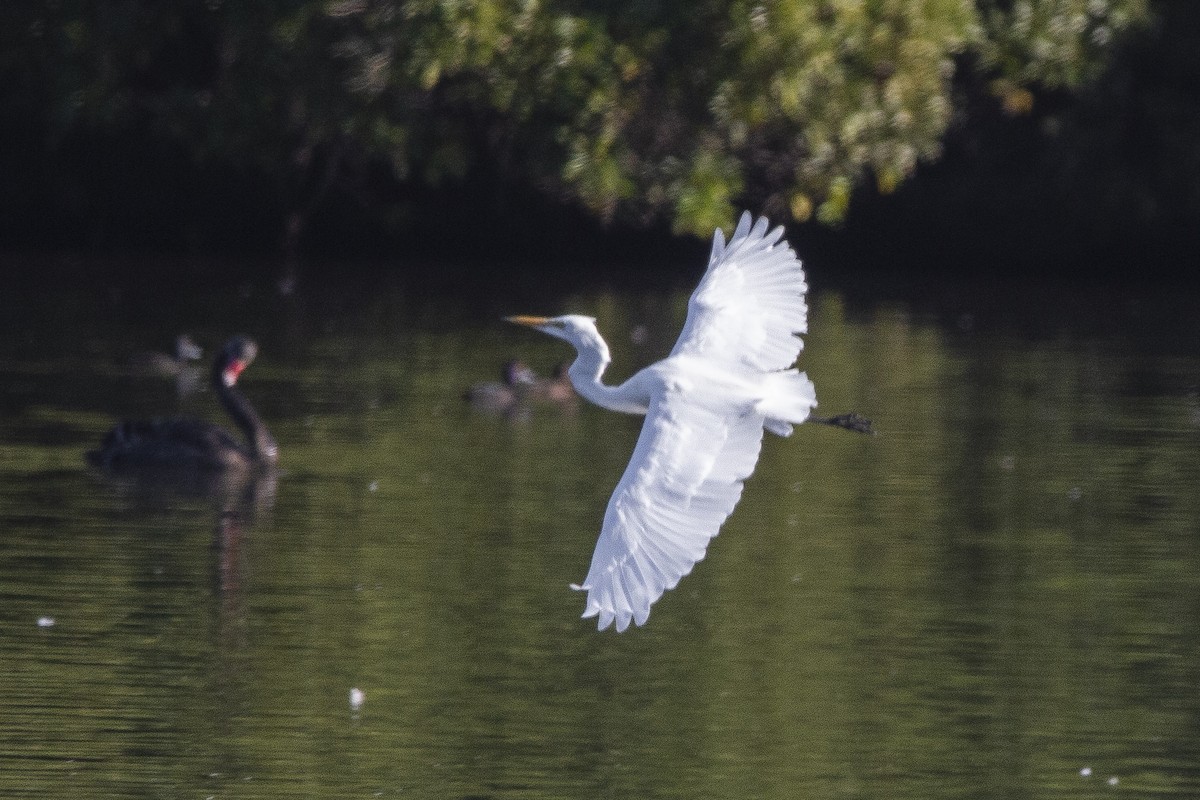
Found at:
[1103, 184]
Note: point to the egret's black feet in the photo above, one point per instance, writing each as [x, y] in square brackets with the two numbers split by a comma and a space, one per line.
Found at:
[850, 421]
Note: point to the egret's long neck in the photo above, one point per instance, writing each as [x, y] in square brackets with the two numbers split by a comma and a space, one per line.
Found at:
[586, 373]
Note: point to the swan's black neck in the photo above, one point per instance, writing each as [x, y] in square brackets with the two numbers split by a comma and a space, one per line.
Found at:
[262, 445]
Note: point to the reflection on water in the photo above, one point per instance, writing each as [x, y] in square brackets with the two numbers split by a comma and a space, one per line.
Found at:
[994, 597]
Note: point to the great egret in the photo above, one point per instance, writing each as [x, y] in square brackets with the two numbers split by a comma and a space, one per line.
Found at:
[728, 378]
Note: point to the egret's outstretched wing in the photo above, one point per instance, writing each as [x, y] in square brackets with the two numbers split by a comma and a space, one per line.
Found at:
[749, 305]
[682, 482]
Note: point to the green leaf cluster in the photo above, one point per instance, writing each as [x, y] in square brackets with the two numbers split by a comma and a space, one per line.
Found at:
[644, 109]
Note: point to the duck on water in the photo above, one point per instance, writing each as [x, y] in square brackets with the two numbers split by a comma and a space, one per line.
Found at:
[188, 443]
[519, 387]
[168, 366]
[499, 397]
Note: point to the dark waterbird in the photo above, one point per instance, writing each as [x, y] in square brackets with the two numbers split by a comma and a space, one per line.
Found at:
[555, 390]
[187, 443]
[500, 397]
[168, 365]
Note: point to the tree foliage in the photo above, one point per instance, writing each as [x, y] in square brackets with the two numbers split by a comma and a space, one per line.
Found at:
[643, 109]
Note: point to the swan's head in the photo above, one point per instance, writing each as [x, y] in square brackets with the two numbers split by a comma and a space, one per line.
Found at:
[579, 330]
[237, 354]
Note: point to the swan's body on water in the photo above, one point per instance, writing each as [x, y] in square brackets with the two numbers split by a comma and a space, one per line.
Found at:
[728, 378]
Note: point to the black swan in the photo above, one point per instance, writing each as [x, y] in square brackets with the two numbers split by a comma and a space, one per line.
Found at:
[190, 443]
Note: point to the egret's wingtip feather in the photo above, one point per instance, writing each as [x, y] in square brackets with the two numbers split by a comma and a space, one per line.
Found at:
[743, 227]
[760, 228]
[775, 234]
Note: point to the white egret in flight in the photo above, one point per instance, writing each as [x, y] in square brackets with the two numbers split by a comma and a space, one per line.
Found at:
[729, 377]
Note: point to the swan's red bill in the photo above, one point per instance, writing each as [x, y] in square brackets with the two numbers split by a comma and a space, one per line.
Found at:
[234, 371]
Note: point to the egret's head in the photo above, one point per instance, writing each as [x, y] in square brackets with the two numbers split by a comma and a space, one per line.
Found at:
[574, 328]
